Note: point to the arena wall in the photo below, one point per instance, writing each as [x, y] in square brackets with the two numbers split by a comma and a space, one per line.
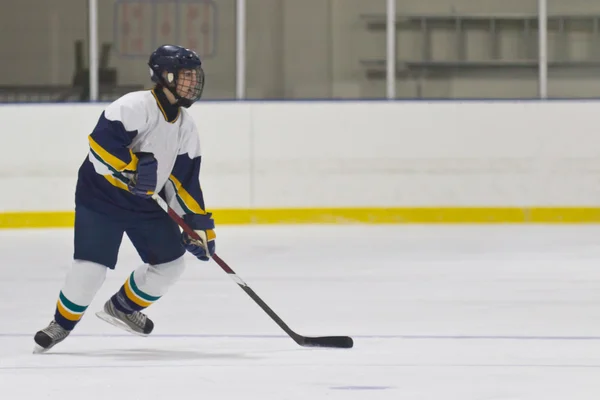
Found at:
[338, 162]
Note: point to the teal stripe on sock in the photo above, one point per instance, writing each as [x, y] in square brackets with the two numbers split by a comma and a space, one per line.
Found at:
[70, 305]
[141, 294]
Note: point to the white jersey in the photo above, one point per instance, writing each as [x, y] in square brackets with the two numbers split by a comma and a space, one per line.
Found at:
[143, 121]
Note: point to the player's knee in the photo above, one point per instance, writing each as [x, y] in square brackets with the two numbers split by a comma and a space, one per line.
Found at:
[169, 272]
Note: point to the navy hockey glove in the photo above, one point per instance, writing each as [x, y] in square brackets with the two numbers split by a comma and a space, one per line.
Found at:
[204, 226]
[143, 183]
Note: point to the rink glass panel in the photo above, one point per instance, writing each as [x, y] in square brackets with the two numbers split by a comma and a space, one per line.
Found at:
[134, 28]
[40, 42]
[312, 49]
[573, 49]
[466, 48]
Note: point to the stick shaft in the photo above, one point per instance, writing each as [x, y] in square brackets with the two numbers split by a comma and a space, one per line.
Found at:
[322, 341]
[186, 228]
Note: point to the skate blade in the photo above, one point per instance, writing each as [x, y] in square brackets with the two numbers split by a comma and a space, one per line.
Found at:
[37, 349]
[118, 323]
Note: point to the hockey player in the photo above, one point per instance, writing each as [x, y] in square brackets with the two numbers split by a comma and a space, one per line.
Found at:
[144, 143]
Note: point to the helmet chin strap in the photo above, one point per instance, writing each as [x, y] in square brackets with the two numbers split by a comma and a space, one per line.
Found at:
[183, 102]
[180, 101]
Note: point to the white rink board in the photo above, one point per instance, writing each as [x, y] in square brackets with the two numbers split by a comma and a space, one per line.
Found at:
[337, 154]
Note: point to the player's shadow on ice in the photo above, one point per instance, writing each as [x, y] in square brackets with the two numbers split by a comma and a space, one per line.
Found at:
[156, 355]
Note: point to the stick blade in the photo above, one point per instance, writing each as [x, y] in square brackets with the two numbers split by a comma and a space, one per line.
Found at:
[340, 342]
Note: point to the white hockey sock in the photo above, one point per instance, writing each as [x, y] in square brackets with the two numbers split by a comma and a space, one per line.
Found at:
[81, 285]
[147, 284]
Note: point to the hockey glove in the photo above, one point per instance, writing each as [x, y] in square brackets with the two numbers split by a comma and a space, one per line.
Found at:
[143, 183]
[204, 226]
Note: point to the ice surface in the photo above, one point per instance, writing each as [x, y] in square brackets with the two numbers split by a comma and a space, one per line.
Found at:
[437, 312]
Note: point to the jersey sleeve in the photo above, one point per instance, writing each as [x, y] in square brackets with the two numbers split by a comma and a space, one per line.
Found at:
[184, 193]
[109, 142]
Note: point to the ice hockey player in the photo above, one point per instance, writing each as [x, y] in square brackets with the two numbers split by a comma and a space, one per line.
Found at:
[143, 143]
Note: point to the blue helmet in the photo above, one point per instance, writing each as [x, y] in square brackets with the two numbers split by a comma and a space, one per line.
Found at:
[180, 71]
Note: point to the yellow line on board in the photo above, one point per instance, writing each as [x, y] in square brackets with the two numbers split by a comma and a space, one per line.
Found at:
[414, 215]
[37, 219]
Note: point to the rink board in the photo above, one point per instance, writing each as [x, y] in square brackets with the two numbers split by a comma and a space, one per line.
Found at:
[338, 162]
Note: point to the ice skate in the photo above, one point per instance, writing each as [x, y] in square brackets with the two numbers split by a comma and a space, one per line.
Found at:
[137, 323]
[49, 337]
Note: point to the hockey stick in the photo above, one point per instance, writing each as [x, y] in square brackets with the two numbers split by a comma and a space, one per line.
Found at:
[321, 341]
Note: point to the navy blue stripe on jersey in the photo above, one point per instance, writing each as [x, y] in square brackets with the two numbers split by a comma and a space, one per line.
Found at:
[109, 141]
[185, 178]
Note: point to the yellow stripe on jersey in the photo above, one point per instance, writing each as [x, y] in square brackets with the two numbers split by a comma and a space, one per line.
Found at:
[116, 182]
[183, 194]
[109, 159]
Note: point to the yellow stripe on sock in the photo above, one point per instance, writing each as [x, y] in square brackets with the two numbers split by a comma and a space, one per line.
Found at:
[133, 297]
[66, 313]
